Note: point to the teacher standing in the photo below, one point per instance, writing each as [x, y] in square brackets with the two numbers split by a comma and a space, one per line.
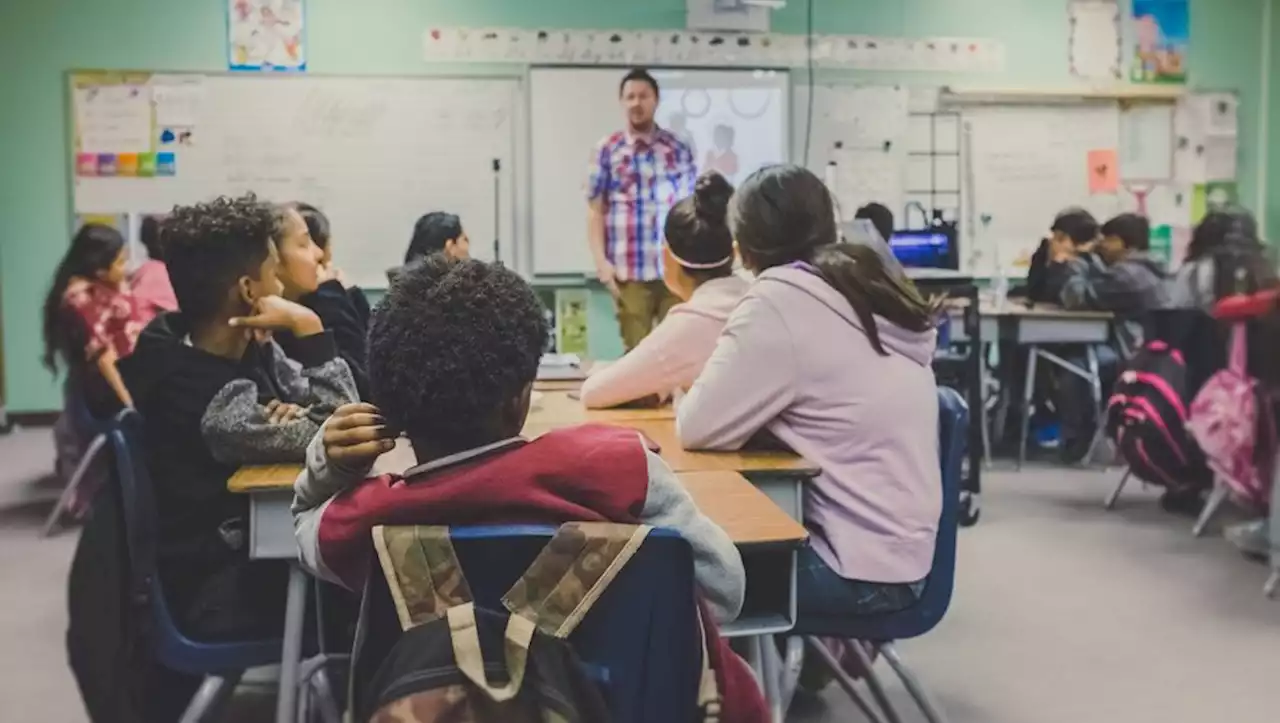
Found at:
[636, 176]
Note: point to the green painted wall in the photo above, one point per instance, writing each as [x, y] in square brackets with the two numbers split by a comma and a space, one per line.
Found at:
[41, 39]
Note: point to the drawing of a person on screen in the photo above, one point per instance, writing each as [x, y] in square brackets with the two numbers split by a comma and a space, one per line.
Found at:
[679, 125]
[722, 158]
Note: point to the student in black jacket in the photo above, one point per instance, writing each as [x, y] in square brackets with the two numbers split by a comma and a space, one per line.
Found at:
[215, 394]
[309, 277]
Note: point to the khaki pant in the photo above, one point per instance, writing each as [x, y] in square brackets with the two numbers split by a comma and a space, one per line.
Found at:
[641, 305]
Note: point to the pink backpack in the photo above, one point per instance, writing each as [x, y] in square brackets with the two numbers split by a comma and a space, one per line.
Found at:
[1224, 421]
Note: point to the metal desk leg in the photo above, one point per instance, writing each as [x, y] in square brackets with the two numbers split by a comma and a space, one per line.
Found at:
[771, 670]
[984, 417]
[1028, 395]
[1273, 531]
[294, 619]
[1095, 386]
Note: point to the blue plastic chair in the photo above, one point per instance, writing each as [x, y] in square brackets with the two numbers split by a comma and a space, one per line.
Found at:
[880, 631]
[639, 641]
[87, 427]
[223, 663]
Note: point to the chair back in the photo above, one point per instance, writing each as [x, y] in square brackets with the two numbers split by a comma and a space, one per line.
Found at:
[639, 640]
[953, 434]
[137, 498]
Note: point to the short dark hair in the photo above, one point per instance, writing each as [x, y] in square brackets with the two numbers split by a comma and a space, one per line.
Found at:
[209, 246]
[450, 344]
[1078, 224]
[149, 235]
[1133, 230]
[642, 75]
[317, 222]
[880, 216]
[430, 234]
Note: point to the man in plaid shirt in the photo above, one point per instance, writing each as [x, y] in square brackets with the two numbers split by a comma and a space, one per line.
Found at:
[636, 176]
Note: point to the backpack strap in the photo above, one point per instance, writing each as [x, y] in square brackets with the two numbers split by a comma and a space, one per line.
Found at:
[470, 660]
[422, 572]
[1239, 357]
[709, 699]
[572, 572]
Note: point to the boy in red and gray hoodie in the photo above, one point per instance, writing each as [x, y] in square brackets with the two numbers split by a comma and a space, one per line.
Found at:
[453, 353]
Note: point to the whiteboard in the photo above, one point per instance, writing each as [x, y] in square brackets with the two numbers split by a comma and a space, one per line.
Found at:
[1025, 164]
[373, 153]
[573, 109]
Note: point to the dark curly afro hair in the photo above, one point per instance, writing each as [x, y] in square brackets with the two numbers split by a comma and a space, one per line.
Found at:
[451, 343]
[208, 246]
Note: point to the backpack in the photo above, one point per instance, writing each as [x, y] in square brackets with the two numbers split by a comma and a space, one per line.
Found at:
[1146, 419]
[1225, 421]
[455, 661]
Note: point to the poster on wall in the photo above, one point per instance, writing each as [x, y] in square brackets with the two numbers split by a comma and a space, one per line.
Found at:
[266, 35]
[1162, 34]
[1095, 47]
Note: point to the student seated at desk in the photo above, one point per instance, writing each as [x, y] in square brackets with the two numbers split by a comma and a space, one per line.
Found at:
[698, 268]
[830, 354]
[1224, 257]
[310, 278]
[214, 397]
[453, 353]
[1073, 230]
[91, 321]
[1118, 276]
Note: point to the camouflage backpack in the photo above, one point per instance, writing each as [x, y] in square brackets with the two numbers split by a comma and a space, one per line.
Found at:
[456, 662]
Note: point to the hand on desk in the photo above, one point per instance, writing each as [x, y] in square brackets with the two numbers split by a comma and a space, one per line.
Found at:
[356, 435]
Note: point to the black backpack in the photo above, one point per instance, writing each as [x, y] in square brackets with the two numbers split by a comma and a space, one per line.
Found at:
[455, 661]
[1146, 420]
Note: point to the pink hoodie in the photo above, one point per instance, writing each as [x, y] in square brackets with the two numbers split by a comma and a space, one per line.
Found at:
[672, 356]
[794, 359]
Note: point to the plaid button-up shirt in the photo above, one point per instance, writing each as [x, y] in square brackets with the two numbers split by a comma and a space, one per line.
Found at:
[640, 178]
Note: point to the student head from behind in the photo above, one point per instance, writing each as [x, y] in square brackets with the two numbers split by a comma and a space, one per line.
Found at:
[1227, 239]
[222, 258]
[1074, 231]
[784, 215]
[880, 216]
[438, 232]
[699, 246]
[1123, 235]
[301, 267]
[149, 236]
[453, 352]
[96, 255]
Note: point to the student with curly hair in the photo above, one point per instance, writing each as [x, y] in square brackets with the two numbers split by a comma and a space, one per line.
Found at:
[216, 394]
[453, 353]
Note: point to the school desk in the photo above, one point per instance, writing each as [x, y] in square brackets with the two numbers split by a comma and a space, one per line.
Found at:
[767, 536]
[1033, 328]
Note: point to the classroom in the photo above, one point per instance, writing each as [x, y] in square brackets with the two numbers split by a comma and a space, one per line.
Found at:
[840, 360]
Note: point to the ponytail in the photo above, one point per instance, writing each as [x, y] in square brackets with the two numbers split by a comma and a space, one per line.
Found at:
[860, 275]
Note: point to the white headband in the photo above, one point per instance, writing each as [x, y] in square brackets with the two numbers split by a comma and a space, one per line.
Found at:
[692, 265]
